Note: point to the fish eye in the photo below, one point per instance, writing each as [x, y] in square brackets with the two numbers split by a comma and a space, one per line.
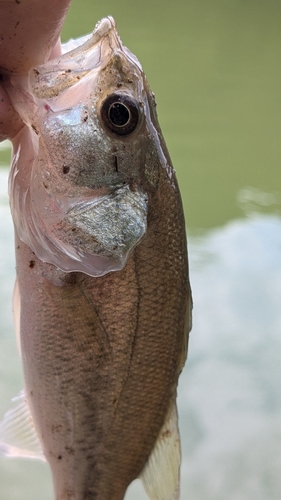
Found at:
[120, 114]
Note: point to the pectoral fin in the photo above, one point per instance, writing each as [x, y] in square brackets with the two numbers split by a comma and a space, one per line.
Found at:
[161, 473]
[18, 437]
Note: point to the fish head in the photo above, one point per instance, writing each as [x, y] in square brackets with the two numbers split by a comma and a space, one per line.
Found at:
[81, 201]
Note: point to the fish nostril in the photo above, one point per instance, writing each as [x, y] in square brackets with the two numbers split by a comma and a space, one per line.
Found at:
[65, 169]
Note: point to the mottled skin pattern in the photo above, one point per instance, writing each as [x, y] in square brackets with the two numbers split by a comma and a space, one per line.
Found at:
[102, 355]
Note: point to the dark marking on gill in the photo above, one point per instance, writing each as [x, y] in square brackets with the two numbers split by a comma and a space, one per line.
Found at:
[31, 264]
[71, 278]
[116, 163]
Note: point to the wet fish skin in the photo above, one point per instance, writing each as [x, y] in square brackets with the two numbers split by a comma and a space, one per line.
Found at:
[100, 376]
[102, 355]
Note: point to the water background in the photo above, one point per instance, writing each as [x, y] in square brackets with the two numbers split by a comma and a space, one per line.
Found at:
[214, 66]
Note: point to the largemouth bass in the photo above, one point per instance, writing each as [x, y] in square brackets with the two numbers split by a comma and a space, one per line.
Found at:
[102, 301]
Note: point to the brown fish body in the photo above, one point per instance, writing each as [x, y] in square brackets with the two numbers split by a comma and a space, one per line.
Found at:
[102, 358]
[102, 355]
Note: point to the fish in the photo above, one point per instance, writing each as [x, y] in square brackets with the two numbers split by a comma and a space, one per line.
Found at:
[102, 302]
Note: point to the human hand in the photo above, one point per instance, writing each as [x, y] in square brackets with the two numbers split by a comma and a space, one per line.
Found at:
[29, 35]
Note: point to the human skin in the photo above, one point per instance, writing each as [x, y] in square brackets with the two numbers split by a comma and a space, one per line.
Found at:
[29, 35]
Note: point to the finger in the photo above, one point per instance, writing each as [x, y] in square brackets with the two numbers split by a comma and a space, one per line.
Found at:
[56, 50]
[29, 29]
[10, 122]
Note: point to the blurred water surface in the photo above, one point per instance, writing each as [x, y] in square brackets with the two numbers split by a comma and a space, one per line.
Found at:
[214, 67]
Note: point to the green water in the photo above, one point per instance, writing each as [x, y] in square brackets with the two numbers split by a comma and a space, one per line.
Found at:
[215, 68]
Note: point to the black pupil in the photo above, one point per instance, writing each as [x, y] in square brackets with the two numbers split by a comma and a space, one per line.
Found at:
[118, 114]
